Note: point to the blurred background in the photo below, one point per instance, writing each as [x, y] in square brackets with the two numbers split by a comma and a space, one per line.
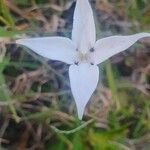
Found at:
[37, 110]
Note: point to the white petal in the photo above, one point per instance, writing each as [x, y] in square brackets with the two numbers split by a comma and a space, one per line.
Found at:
[83, 33]
[107, 47]
[83, 80]
[55, 48]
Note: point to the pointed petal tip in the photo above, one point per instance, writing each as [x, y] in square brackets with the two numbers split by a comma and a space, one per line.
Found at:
[80, 112]
[83, 24]
[141, 35]
[146, 34]
[115, 44]
[83, 81]
[54, 48]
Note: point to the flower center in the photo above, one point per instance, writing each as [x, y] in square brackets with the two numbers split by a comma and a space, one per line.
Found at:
[84, 57]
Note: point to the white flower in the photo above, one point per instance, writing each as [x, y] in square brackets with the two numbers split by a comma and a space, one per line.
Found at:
[82, 52]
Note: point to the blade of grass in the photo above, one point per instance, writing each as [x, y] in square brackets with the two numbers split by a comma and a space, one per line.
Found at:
[6, 93]
[6, 14]
[3, 20]
[112, 84]
[6, 97]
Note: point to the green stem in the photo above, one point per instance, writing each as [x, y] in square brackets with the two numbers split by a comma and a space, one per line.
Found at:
[73, 130]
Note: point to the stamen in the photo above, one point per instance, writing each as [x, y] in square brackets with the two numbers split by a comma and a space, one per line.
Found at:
[92, 49]
[76, 63]
[92, 63]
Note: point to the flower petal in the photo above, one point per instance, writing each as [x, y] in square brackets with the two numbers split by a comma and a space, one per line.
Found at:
[107, 47]
[83, 80]
[83, 33]
[55, 48]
